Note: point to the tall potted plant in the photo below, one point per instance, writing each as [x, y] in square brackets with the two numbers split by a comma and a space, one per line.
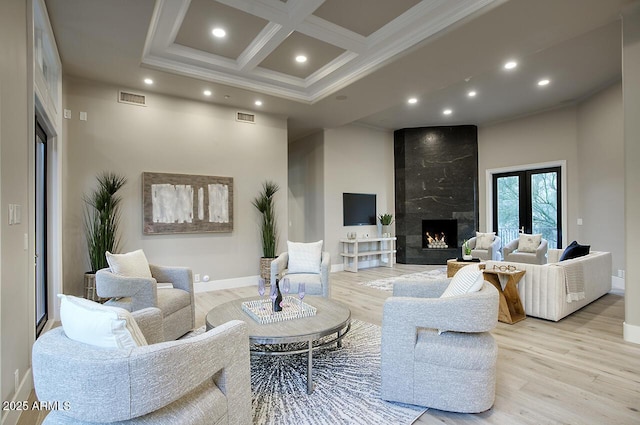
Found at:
[265, 204]
[101, 222]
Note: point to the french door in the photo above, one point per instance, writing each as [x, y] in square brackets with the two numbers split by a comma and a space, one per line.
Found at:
[41, 228]
[528, 201]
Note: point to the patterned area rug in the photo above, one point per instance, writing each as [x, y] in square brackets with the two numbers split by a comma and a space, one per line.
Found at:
[347, 386]
[387, 283]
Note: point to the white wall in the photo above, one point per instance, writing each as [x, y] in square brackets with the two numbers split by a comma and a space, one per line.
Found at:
[631, 105]
[170, 135]
[16, 292]
[360, 160]
[589, 137]
[540, 138]
[306, 188]
[601, 173]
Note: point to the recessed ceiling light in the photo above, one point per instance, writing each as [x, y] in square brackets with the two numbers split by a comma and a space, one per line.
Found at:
[207, 92]
[148, 81]
[472, 93]
[510, 65]
[413, 100]
[301, 58]
[543, 82]
[447, 112]
[218, 32]
[258, 103]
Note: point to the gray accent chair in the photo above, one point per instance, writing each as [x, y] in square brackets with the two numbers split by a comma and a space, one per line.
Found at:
[315, 283]
[454, 371]
[176, 303]
[510, 252]
[200, 380]
[494, 252]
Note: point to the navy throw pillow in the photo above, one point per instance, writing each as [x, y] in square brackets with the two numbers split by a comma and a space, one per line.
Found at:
[575, 250]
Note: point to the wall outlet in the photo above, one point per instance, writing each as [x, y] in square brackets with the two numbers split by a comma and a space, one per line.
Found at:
[196, 277]
[621, 273]
[16, 375]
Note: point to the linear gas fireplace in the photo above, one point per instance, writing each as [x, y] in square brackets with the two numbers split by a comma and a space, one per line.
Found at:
[439, 234]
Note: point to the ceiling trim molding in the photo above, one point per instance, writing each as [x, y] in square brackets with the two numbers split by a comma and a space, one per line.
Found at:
[362, 55]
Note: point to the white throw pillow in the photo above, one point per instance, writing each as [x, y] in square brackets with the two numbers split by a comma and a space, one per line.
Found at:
[467, 279]
[529, 243]
[484, 240]
[304, 257]
[99, 325]
[131, 264]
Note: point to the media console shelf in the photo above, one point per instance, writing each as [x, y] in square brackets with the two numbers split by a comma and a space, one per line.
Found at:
[354, 249]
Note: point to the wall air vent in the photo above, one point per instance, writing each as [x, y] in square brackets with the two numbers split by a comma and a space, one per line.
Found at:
[244, 117]
[132, 98]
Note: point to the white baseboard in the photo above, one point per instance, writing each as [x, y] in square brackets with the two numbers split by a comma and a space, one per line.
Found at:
[11, 417]
[216, 285]
[337, 268]
[631, 333]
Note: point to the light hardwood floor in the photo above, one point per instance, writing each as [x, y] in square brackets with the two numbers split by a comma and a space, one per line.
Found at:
[576, 371]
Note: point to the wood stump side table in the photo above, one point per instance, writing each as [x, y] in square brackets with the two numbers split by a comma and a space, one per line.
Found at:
[511, 309]
[453, 265]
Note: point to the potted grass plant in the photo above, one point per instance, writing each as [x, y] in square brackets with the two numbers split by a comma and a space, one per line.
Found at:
[265, 204]
[385, 221]
[101, 223]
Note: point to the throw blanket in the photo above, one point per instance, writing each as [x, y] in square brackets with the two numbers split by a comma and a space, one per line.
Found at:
[574, 280]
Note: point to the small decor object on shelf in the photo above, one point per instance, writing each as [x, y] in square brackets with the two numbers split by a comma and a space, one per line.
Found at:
[385, 221]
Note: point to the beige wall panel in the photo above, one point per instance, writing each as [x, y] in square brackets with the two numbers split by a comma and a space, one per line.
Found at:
[545, 137]
[171, 135]
[306, 188]
[601, 174]
[359, 160]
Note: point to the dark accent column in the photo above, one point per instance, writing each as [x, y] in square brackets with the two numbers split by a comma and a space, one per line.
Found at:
[436, 178]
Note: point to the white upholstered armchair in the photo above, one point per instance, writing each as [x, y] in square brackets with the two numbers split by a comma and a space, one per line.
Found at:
[304, 263]
[454, 370]
[513, 252]
[195, 381]
[134, 293]
[492, 251]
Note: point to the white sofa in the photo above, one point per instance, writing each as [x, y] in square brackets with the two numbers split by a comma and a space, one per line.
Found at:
[543, 289]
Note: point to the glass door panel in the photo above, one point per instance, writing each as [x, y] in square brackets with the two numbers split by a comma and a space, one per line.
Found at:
[508, 208]
[41, 229]
[528, 201]
[544, 206]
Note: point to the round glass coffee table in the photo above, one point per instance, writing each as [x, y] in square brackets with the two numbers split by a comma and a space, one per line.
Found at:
[294, 336]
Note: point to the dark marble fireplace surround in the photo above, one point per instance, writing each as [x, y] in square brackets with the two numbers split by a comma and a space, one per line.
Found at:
[436, 178]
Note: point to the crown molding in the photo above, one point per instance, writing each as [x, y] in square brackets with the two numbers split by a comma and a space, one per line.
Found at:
[362, 55]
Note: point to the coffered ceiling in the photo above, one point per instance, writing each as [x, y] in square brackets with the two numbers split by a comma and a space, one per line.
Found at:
[342, 40]
[365, 58]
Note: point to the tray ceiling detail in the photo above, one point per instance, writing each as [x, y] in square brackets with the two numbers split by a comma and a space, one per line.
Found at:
[341, 40]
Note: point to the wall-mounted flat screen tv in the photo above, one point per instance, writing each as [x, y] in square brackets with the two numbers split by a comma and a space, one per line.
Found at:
[359, 209]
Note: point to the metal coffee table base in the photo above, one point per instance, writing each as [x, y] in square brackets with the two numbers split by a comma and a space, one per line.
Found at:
[292, 348]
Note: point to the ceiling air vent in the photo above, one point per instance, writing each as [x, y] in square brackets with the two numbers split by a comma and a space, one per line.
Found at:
[244, 117]
[132, 98]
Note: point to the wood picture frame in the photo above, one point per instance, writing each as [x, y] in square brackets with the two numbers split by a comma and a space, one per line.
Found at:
[185, 203]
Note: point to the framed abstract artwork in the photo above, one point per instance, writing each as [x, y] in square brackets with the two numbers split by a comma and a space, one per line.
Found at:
[184, 203]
